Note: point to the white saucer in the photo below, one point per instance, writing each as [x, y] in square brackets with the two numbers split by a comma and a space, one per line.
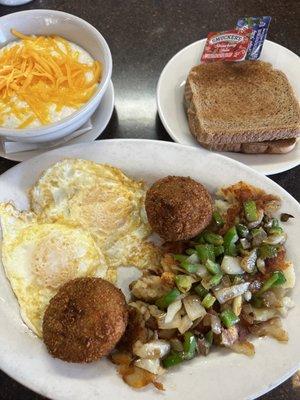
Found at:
[99, 119]
[170, 92]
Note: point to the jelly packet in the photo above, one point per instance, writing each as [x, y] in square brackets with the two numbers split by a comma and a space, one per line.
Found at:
[228, 45]
[259, 26]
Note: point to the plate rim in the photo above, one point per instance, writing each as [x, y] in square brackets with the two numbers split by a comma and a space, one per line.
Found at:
[273, 184]
[164, 121]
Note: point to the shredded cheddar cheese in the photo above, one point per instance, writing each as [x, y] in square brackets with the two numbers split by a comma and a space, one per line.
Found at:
[42, 71]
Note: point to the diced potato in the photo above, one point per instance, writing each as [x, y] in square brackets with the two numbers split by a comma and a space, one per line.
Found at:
[264, 314]
[136, 377]
[272, 328]
[121, 358]
[245, 348]
[237, 305]
[290, 276]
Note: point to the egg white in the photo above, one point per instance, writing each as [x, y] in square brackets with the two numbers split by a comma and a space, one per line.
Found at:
[39, 257]
[102, 200]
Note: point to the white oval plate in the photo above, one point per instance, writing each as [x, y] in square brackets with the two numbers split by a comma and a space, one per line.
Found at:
[99, 119]
[170, 92]
[223, 375]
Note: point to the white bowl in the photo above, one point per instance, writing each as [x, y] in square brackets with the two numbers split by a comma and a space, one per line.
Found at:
[74, 29]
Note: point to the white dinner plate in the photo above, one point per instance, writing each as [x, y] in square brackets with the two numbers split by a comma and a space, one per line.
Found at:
[99, 119]
[222, 375]
[170, 92]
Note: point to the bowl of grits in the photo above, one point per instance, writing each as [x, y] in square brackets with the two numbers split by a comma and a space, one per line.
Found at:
[54, 70]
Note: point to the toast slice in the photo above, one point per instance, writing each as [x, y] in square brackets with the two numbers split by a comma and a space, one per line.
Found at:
[281, 146]
[243, 102]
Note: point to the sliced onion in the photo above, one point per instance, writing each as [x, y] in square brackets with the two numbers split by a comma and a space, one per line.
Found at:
[152, 350]
[193, 259]
[231, 266]
[202, 271]
[193, 307]
[276, 239]
[247, 295]
[212, 321]
[261, 265]
[230, 293]
[171, 325]
[248, 262]
[152, 366]
[215, 324]
[259, 237]
[245, 243]
[263, 314]
[185, 324]
[172, 310]
[254, 224]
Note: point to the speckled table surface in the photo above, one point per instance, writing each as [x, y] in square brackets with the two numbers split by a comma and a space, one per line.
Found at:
[143, 35]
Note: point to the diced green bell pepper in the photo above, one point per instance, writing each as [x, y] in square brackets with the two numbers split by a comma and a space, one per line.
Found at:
[212, 267]
[173, 359]
[189, 345]
[208, 301]
[242, 230]
[164, 301]
[230, 238]
[205, 252]
[213, 238]
[218, 219]
[229, 318]
[201, 291]
[250, 210]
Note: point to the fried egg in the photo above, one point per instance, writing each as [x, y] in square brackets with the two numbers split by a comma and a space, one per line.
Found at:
[102, 200]
[38, 257]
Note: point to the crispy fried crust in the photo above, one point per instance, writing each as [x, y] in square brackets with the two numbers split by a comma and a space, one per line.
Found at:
[84, 320]
[178, 208]
[136, 330]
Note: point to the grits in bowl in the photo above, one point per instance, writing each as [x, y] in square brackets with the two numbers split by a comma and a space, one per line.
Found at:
[44, 79]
